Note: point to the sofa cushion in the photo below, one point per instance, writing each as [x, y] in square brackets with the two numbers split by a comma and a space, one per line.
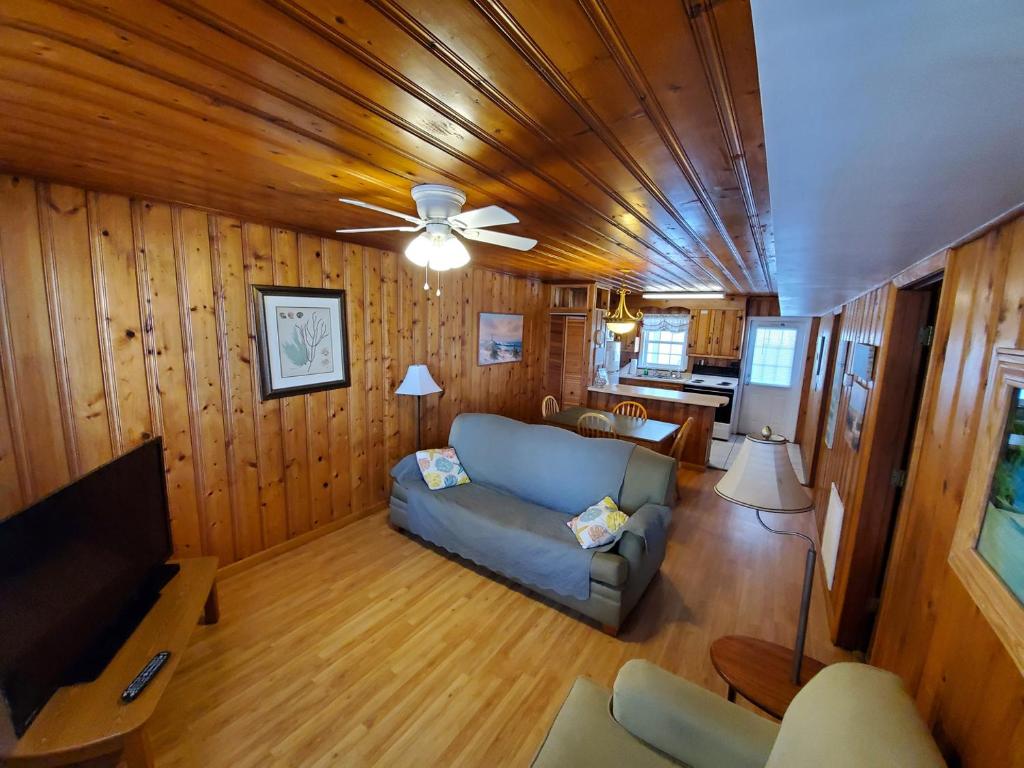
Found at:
[606, 567]
[441, 468]
[852, 715]
[545, 465]
[502, 532]
[598, 525]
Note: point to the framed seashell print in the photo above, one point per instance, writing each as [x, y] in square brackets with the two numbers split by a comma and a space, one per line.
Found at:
[988, 547]
[301, 340]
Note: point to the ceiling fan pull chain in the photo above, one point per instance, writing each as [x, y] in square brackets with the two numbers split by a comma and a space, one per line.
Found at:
[426, 278]
[438, 283]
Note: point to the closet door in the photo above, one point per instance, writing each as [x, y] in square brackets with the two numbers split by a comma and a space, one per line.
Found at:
[556, 352]
[574, 362]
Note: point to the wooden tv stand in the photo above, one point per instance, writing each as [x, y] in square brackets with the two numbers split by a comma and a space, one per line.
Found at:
[88, 724]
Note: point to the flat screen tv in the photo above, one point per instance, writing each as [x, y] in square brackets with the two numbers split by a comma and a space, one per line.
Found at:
[78, 570]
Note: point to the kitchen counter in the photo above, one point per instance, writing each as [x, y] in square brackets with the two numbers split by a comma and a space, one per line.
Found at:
[669, 405]
[658, 393]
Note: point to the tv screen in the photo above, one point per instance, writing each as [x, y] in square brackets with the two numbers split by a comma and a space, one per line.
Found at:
[70, 566]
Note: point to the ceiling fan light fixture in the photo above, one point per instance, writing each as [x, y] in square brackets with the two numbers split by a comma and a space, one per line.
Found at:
[438, 252]
[621, 321]
[450, 254]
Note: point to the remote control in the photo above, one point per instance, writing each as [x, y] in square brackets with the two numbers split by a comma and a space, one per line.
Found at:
[136, 686]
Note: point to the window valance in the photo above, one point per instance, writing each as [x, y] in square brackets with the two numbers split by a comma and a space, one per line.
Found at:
[676, 323]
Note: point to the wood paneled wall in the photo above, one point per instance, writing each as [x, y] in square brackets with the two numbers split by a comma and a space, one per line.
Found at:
[889, 320]
[929, 630]
[763, 306]
[863, 321]
[126, 318]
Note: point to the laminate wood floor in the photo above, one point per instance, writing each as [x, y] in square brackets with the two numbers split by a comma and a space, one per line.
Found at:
[366, 647]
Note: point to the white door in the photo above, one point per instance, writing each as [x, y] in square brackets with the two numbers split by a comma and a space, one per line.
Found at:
[773, 374]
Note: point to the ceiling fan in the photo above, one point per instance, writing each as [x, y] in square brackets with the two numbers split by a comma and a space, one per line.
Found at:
[441, 218]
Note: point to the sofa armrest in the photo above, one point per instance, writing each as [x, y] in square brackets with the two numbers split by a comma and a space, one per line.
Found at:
[584, 734]
[687, 722]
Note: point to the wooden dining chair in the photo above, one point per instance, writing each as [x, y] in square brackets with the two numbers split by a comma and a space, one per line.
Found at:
[680, 442]
[594, 425]
[631, 408]
[548, 406]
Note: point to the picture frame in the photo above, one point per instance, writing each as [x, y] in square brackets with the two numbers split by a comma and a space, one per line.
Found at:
[862, 362]
[856, 407]
[499, 338]
[835, 393]
[992, 569]
[301, 340]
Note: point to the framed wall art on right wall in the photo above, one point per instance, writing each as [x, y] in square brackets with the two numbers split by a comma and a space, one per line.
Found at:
[988, 546]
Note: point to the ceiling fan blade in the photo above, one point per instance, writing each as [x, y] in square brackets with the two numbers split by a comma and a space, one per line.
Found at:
[498, 238]
[490, 216]
[379, 229]
[388, 211]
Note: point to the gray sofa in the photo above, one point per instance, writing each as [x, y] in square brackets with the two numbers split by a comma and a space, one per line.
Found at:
[527, 481]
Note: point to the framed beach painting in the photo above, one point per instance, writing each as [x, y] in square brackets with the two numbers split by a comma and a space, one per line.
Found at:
[500, 338]
[302, 340]
[856, 407]
[988, 546]
[835, 393]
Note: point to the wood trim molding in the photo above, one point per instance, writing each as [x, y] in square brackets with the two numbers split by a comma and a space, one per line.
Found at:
[708, 40]
[505, 22]
[421, 34]
[374, 63]
[608, 31]
[281, 57]
[927, 267]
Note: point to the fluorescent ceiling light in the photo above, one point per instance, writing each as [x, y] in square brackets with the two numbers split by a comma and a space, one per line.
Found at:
[686, 295]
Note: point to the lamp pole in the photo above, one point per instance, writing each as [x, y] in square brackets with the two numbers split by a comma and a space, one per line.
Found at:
[418, 398]
[805, 599]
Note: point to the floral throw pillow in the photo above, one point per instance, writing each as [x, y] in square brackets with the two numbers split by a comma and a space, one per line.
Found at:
[441, 468]
[599, 525]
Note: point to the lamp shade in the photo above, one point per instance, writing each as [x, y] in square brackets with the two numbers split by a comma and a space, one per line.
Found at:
[762, 477]
[418, 381]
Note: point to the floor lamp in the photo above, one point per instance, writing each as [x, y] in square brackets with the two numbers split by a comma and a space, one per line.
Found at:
[418, 382]
[762, 478]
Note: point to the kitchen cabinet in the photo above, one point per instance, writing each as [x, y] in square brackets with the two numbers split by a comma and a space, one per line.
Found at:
[716, 333]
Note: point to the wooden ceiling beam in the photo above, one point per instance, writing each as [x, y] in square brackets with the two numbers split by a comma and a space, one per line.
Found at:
[500, 17]
[608, 31]
[224, 27]
[272, 109]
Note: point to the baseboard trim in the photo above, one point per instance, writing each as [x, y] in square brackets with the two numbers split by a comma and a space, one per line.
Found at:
[240, 566]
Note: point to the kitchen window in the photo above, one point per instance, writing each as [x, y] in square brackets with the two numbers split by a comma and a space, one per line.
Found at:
[663, 341]
[773, 356]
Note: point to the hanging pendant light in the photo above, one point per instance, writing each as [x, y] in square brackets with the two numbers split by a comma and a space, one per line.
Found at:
[621, 321]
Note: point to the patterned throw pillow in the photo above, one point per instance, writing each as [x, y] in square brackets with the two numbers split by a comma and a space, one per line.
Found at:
[441, 468]
[601, 524]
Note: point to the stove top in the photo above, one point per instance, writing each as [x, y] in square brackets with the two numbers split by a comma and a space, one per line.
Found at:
[717, 382]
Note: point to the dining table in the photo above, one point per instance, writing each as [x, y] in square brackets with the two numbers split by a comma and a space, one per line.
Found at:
[656, 435]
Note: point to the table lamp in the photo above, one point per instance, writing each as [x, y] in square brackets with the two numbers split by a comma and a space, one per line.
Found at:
[419, 382]
[762, 478]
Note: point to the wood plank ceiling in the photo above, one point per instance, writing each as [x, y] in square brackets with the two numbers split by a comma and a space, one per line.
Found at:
[627, 137]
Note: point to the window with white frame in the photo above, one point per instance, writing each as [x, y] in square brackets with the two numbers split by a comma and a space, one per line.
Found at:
[663, 341]
[773, 356]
